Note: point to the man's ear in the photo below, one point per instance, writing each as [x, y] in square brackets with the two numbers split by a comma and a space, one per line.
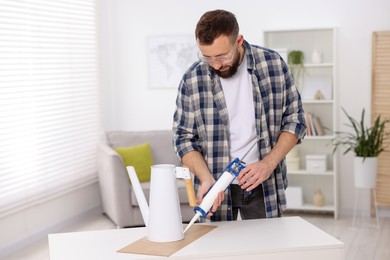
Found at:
[240, 39]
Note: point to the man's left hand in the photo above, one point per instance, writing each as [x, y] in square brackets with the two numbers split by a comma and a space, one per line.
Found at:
[251, 176]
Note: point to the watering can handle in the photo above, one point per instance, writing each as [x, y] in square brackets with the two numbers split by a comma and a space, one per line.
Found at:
[190, 192]
[184, 173]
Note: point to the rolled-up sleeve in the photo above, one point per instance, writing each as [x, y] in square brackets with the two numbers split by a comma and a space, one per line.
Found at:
[185, 136]
[293, 119]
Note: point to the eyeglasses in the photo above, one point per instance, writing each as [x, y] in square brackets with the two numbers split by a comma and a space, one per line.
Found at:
[222, 59]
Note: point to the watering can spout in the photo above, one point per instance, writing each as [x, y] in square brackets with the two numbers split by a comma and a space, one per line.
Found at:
[143, 204]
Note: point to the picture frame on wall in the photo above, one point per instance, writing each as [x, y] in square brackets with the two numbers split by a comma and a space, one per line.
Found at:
[169, 56]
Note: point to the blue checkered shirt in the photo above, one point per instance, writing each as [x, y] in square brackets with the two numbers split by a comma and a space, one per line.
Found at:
[201, 121]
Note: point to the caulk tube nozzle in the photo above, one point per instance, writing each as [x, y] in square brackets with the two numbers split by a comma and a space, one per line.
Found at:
[197, 215]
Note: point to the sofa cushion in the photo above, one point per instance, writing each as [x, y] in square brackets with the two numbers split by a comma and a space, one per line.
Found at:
[160, 142]
[140, 157]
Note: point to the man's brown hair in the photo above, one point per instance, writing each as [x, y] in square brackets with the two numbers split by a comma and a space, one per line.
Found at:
[215, 23]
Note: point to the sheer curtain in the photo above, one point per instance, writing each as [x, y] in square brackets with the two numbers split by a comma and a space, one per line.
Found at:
[49, 100]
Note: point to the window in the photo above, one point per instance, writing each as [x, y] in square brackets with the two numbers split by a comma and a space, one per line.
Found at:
[49, 100]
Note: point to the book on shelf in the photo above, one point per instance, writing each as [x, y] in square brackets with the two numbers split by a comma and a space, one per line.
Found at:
[318, 126]
[314, 125]
[308, 128]
[313, 130]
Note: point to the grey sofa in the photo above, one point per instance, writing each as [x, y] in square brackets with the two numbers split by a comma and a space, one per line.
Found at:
[118, 199]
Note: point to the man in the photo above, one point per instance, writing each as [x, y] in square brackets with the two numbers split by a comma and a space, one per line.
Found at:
[234, 95]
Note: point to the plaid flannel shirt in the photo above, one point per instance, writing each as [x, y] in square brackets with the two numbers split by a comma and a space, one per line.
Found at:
[201, 121]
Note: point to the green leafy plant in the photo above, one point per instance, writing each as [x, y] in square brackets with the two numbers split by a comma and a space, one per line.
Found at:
[295, 60]
[363, 141]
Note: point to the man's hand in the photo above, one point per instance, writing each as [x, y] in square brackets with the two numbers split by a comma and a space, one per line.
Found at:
[204, 187]
[251, 176]
[254, 174]
[197, 165]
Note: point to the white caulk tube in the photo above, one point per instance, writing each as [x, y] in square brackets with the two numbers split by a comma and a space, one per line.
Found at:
[220, 185]
[231, 172]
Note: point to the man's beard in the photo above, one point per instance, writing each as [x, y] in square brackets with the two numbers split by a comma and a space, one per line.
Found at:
[231, 69]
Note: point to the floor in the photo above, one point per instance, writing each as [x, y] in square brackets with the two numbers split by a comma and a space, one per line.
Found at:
[363, 241]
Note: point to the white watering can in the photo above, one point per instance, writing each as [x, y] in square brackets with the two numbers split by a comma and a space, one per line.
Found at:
[163, 216]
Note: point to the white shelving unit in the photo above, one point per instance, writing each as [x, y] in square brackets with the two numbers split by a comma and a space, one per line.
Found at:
[317, 76]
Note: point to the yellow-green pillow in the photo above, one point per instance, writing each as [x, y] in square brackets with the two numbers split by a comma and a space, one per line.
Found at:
[140, 157]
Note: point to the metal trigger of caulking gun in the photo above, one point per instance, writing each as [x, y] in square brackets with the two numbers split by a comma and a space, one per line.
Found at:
[250, 149]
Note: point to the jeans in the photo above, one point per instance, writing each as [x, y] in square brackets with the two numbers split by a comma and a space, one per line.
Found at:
[250, 207]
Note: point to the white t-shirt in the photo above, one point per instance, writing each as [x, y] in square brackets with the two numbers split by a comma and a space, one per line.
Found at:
[238, 92]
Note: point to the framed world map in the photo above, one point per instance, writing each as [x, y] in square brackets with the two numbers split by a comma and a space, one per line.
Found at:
[168, 58]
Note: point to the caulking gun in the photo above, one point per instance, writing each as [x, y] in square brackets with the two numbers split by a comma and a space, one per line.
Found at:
[228, 175]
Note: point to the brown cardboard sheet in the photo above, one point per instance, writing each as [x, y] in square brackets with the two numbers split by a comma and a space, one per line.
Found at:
[145, 247]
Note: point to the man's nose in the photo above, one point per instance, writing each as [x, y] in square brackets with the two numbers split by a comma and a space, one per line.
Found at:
[216, 65]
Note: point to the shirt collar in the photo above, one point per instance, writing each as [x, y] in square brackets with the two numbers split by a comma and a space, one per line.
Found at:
[249, 55]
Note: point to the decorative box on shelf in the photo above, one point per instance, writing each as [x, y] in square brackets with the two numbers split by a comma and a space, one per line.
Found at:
[294, 197]
[292, 160]
[316, 163]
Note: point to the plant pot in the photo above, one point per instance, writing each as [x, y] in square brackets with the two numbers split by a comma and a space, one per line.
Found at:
[365, 171]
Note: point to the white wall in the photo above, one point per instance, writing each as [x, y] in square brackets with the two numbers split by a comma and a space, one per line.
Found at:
[131, 105]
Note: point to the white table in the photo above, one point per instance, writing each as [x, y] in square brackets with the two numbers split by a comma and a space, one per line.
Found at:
[279, 238]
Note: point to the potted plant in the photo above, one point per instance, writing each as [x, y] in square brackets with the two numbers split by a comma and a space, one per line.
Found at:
[295, 60]
[366, 143]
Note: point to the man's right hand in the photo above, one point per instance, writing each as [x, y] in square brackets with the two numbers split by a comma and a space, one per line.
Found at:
[197, 165]
[203, 189]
